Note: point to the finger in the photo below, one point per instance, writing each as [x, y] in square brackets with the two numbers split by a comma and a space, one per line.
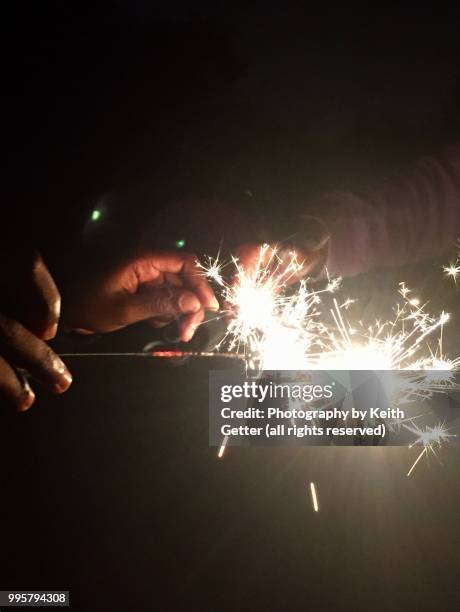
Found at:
[49, 300]
[24, 349]
[189, 324]
[148, 267]
[158, 303]
[194, 279]
[248, 256]
[39, 303]
[253, 258]
[16, 393]
[289, 265]
[309, 263]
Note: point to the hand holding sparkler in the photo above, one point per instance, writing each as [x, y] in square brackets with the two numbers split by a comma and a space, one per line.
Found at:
[310, 245]
[158, 286]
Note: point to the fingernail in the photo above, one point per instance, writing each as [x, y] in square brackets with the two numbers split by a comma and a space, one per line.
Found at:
[189, 303]
[65, 383]
[214, 304]
[188, 335]
[51, 333]
[66, 376]
[27, 399]
[59, 366]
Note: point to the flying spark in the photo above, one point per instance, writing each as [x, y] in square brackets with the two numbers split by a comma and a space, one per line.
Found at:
[314, 497]
[222, 448]
[430, 438]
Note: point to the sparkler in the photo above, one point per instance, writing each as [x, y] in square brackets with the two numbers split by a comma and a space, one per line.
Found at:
[167, 354]
[271, 327]
[274, 329]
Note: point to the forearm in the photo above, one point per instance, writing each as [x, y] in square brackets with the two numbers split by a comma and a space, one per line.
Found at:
[415, 218]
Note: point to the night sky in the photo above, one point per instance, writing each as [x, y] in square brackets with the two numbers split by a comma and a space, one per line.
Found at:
[111, 490]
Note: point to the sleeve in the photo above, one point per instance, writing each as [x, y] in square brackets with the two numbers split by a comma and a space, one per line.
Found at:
[414, 218]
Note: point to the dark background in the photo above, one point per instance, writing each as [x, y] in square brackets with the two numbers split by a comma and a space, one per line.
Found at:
[257, 106]
[111, 490]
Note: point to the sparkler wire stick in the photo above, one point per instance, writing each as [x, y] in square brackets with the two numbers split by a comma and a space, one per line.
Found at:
[172, 354]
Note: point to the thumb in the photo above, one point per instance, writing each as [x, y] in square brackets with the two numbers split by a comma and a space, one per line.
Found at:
[164, 302]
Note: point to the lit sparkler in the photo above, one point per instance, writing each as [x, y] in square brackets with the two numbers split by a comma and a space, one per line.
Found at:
[270, 329]
[276, 329]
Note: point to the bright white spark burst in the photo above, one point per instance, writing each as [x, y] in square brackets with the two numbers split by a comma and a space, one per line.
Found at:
[452, 270]
[430, 438]
[273, 329]
[308, 329]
